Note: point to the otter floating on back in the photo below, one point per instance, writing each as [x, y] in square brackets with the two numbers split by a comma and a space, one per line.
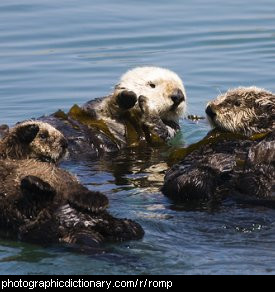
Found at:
[42, 203]
[145, 106]
[230, 164]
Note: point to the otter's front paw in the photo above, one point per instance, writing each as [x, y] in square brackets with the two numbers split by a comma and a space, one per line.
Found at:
[90, 201]
[142, 102]
[35, 189]
[126, 99]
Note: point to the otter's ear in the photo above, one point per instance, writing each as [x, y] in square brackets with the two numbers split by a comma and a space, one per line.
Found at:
[35, 189]
[126, 99]
[27, 133]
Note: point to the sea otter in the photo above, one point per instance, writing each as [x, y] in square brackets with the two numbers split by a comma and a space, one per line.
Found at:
[33, 139]
[145, 106]
[43, 204]
[243, 110]
[228, 163]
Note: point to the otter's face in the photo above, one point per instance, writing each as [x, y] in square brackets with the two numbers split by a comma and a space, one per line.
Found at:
[163, 89]
[244, 110]
[45, 143]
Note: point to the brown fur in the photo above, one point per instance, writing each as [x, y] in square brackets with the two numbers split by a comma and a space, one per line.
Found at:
[243, 110]
[65, 186]
[225, 166]
[44, 204]
[33, 139]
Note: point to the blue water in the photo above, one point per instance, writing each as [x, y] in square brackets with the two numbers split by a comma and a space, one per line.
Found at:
[57, 53]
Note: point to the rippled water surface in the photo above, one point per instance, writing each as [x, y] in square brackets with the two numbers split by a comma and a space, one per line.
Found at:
[57, 53]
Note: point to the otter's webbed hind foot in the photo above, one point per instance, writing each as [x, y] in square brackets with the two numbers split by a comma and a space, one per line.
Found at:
[89, 201]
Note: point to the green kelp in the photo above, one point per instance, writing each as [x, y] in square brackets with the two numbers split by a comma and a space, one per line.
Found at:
[213, 137]
[133, 127]
[60, 115]
[136, 132]
[80, 115]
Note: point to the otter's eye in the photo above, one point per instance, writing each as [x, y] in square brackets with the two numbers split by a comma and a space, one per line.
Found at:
[152, 85]
[43, 136]
[237, 103]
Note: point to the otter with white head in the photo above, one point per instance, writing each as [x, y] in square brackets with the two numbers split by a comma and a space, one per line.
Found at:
[162, 92]
[163, 89]
[243, 110]
[146, 100]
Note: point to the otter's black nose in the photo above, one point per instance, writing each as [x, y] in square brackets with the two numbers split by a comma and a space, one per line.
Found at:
[210, 112]
[177, 97]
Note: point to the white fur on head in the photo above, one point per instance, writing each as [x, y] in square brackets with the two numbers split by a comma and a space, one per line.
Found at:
[157, 84]
[244, 110]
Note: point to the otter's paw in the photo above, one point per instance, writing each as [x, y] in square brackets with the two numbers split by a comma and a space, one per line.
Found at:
[184, 183]
[142, 102]
[116, 229]
[86, 200]
[27, 133]
[35, 189]
[126, 229]
[126, 99]
[256, 182]
[263, 152]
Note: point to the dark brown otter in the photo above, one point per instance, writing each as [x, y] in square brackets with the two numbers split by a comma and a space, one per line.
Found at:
[231, 163]
[223, 167]
[43, 204]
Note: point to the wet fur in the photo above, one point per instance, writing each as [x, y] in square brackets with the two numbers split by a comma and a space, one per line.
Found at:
[244, 110]
[44, 204]
[33, 139]
[241, 169]
[165, 103]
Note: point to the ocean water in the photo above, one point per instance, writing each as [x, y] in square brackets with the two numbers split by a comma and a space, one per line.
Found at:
[54, 54]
